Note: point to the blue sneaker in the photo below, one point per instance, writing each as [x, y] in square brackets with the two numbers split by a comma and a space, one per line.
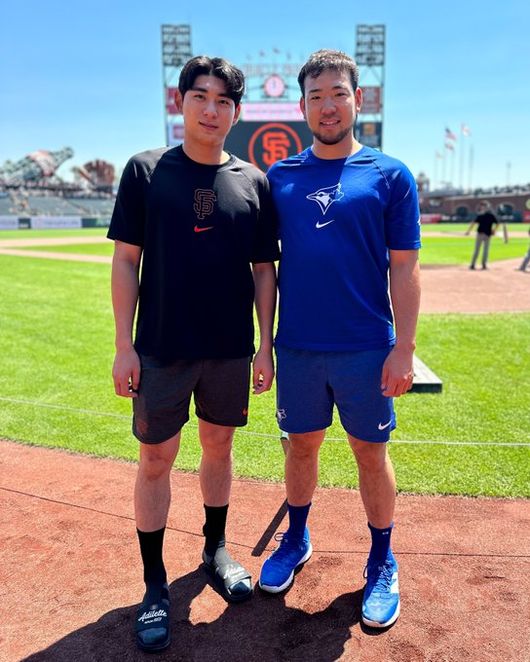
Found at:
[277, 573]
[381, 593]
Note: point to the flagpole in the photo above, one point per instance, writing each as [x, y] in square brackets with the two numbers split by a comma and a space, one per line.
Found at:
[470, 168]
[461, 154]
[449, 143]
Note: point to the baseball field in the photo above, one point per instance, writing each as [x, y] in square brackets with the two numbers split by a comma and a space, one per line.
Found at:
[472, 439]
[68, 516]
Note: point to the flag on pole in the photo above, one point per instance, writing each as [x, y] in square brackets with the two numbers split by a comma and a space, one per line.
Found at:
[449, 134]
[450, 146]
[466, 131]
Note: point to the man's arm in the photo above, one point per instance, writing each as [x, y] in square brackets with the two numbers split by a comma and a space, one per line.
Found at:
[265, 301]
[496, 224]
[125, 284]
[398, 371]
[470, 227]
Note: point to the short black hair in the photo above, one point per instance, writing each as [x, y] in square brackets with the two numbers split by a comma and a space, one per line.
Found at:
[326, 59]
[202, 65]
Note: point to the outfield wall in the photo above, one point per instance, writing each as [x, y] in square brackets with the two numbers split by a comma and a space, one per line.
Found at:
[52, 222]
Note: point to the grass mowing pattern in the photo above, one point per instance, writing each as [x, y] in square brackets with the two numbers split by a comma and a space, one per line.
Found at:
[57, 342]
[81, 249]
[462, 227]
[458, 250]
[435, 250]
[51, 234]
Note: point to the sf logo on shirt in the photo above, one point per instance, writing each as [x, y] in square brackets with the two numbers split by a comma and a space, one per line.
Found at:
[203, 206]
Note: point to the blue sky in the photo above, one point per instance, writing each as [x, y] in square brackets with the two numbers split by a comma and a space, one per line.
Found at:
[89, 75]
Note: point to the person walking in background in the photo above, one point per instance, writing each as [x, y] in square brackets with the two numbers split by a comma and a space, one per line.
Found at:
[203, 224]
[348, 219]
[526, 258]
[487, 223]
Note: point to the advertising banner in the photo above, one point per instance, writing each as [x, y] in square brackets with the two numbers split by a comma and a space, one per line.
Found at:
[371, 100]
[431, 218]
[55, 222]
[99, 222]
[369, 133]
[175, 134]
[171, 109]
[8, 222]
[271, 112]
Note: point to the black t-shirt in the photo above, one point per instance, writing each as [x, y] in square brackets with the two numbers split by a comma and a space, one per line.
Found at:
[485, 222]
[200, 227]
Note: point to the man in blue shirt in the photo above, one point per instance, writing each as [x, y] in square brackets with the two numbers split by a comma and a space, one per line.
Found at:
[349, 302]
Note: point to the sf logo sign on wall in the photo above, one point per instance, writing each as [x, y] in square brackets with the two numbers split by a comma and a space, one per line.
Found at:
[273, 142]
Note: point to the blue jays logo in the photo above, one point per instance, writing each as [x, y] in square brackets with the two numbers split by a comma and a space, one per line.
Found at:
[325, 197]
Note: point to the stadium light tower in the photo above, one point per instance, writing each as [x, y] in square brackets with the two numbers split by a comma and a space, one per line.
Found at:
[370, 56]
[176, 50]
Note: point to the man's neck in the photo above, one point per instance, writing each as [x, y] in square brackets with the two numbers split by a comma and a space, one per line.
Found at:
[341, 150]
[205, 154]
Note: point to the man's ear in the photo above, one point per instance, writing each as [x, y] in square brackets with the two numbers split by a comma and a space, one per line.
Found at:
[302, 107]
[178, 101]
[236, 114]
[358, 99]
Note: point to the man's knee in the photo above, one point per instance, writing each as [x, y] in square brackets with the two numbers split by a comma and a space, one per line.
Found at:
[369, 455]
[216, 441]
[156, 460]
[304, 446]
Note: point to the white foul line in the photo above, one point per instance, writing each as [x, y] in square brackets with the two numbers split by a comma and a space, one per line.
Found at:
[92, 412]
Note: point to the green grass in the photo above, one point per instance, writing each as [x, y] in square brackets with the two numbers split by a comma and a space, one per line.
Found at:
[101, 232]
[458, 250]
[51, 234]
[462, 227]
[446, 250]
[56, 390]
[82, 249]
[435, 250]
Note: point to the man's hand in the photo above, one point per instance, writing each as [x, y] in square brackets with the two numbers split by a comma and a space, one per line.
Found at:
[398, 373]
[126, 373]
[262, 371]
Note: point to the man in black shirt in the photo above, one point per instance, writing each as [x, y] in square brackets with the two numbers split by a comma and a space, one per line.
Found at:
[197, 218]
[486, 226]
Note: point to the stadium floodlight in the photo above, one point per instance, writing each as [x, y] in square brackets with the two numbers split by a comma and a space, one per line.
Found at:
[176, 45]
[370, 56]
[176, 51]
[370, 45]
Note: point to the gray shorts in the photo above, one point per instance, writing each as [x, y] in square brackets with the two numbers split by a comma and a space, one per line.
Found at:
[220, 388]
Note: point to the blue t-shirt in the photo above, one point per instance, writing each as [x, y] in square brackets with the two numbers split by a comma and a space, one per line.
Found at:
[337, 220]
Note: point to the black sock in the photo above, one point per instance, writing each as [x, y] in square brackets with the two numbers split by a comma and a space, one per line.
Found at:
[154, 571]
[214, 528]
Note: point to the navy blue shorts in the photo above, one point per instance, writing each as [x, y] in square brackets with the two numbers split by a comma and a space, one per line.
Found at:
[309, 383]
